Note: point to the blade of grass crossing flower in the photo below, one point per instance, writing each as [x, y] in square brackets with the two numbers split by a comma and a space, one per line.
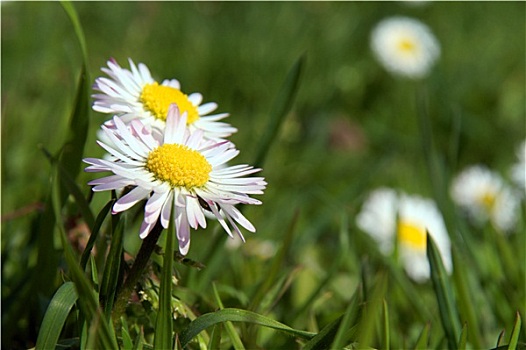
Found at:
[112, 267]
[103, 334]
[514, 338]
[463, 338]
[95, 232]
[423, 339]
[56, 315]
[236, 315]
[465, 298]
[234, 337]
[164, 323]
[281, 107]
[444, 294]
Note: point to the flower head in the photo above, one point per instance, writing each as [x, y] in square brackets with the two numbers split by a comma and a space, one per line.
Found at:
[391, 218]
[485, 196]
[132, 94]
[405, 47]
[182, 170]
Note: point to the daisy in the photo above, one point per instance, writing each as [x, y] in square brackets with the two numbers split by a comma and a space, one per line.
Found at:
[518, 170]
[485, 196]
[181, 170]
[132, 94]
[402, 220]
[405, 47]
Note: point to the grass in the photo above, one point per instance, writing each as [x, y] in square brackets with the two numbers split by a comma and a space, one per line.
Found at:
[309, 278]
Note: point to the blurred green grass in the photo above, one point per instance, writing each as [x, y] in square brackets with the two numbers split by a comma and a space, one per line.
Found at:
[353, 126]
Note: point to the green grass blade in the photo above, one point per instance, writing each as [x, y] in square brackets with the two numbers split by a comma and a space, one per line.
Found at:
[104, 336]
[95, 232]
[215, 337]
[164, 338]
[79, 32]
[112, 267]
[423, 339]
[514, 338]
[56, 315]
[386, 340]
[276, 267]
[463, 338]
[236, 315]
[444, 294]
[371, 312]
[234, 337]
[281, 107]
[340, 340]
[465, 299]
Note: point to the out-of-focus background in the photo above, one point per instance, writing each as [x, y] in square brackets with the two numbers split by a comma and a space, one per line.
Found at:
[353, 126]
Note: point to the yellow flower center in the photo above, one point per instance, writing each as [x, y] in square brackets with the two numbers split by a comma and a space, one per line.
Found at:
[407, 46]
[157, 98]
[412, 235]
[487, 200]
[179, 165]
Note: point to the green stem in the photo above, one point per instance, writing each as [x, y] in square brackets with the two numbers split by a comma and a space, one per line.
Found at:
[136, 271]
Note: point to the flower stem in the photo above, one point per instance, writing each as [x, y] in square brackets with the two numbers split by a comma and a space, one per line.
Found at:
[136, 271]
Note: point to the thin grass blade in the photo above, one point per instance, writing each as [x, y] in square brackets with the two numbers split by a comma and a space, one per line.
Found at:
[234, 337]
[56, 315]
[463, 338]
[386, 340]
[423, 339]
[371, 312]
[236, 315]
[281, 107]
[514, 338]
[215, 337]
[95, 233]
[444, 294]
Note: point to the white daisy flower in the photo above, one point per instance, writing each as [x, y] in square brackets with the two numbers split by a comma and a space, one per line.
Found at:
[485, 196]
[132, 94]
[392, 219]
[518, 170]
[405, 47]
[182, 169]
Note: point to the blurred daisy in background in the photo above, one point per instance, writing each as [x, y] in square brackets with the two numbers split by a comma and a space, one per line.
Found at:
[402, 220]
[484, 196]
[518, 170]
[405, 47]
[132, 94]
[182, 171]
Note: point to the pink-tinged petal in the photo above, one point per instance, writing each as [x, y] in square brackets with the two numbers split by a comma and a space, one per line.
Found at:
[195, 98]
[145, 229]
[183, 231]
[130, 199]
[175, 125]
[219, 217]
[236, 229]
[166, 210]
[236, 215]
[195, 139]
[179, 199]
[133, 145]
[152, 217]
[144, 134]
[155, 202]
[194, 212]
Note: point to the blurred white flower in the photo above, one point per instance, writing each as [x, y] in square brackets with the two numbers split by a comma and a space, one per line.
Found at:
[405, 46]
[518, 170]
[392, 218]
[135, 94]
[485, 196]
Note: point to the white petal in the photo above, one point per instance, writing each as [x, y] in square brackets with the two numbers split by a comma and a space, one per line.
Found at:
[130, 199]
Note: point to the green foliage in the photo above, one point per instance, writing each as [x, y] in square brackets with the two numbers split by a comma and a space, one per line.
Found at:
[326, 123]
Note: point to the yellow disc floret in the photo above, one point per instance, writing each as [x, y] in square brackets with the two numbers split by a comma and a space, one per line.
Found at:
[407, 45]
[179, 165]
[157, 98]
[487, 200]
[412, 235]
